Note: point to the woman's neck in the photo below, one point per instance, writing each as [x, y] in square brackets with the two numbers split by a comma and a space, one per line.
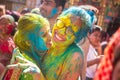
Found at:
[57, 50]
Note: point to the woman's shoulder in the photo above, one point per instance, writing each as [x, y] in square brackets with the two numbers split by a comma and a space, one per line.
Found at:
[75, 48]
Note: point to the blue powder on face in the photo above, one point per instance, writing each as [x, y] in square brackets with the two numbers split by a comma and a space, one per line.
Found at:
[53, 12]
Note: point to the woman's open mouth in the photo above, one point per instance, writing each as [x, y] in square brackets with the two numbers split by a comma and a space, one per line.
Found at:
[59, 37]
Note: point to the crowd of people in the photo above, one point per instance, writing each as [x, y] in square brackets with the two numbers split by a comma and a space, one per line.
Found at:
[60, 40]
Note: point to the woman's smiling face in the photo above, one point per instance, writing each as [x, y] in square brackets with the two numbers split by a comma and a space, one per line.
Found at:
[65, 35]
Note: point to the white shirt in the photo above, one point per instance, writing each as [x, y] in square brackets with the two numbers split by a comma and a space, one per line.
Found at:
[92, 54]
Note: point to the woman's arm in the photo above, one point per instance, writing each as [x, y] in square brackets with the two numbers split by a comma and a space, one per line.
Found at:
[94, 61]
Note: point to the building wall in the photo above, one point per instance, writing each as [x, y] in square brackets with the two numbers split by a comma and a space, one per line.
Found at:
[8, 4]
[32, 3]
[18, 5]
[13, 5]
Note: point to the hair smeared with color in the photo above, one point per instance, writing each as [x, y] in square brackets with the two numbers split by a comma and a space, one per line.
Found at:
[29, 38]
[28, 29]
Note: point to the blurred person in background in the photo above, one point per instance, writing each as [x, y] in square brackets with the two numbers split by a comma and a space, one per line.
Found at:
[94, 54]
[51, 9]
[16, 15]
[7, 45]
[6, 41]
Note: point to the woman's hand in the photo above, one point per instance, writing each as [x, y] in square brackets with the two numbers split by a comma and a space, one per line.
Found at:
[26, 65]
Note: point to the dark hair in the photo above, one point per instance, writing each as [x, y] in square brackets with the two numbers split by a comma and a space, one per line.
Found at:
[25, 10]
[95, 28]
[113, 26]
[104, 35]
[59, 3]
[16, 15]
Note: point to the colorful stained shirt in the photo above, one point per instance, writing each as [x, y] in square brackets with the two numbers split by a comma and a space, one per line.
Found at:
[17, 73]
[57, 65]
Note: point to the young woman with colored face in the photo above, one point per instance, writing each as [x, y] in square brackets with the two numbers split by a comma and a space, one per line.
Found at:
[32, 40]
[64, 60]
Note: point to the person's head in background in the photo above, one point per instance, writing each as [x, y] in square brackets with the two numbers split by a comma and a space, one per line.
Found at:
[2, 11]
[6, 25]
[51, 8]
[94, 35]
[16, 15]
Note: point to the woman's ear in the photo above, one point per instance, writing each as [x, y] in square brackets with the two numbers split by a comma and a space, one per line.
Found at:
[27, 43]
[59, 9]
